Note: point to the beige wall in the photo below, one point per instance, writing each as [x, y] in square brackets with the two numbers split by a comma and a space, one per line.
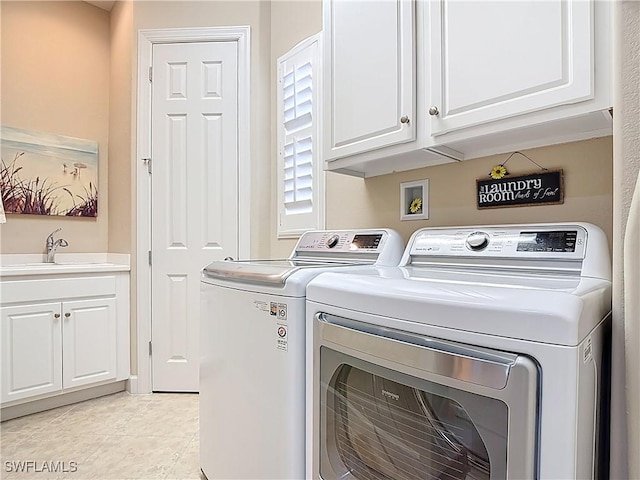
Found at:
[120, 127]
[291, 22]
[122, 148]
[375, 202]
[587, 169]
[55, 79]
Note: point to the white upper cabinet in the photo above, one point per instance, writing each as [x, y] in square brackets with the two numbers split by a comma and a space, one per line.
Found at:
[491, 60]
[491, 77]
[369, 75]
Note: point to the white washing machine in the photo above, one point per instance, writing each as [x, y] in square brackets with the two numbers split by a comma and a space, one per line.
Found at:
[480, 357]
[252, 369]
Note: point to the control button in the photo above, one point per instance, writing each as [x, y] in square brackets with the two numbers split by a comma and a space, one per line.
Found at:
[332, 241]
[477, 241]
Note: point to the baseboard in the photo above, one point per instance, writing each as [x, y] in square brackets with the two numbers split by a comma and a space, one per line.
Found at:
[35, 406]
[132, 384]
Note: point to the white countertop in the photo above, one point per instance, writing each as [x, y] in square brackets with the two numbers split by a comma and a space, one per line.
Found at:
[12, 265]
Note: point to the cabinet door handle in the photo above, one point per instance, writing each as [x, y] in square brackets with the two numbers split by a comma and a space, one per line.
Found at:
[433, 111]
[56, 315]
[67, 315]
[404, 119]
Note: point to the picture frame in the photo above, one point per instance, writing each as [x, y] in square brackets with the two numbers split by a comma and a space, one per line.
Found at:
[414, 200]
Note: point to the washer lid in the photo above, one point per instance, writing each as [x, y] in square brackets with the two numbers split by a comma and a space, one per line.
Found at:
[315, 249]
[268, 272]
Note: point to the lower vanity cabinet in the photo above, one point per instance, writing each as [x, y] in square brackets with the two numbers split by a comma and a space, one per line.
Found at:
[54, 347]
[31, 350]
[88, 341]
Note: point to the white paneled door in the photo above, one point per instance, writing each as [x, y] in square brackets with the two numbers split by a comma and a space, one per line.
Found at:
[194, 195]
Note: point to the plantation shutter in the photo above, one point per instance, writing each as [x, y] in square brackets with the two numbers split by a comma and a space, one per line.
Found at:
[300, 174]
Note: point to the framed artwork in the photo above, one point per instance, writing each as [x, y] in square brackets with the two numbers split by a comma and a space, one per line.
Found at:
[48, 174]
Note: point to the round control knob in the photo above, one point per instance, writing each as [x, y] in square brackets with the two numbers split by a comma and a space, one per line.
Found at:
[477, 241]
[332, 241]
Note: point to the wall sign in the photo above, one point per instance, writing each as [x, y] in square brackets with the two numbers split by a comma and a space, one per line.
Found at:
[545, 187]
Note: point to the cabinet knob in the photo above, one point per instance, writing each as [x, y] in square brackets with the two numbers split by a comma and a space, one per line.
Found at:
[404, 119]
[433, 111]
[67, 315]
[56, 315]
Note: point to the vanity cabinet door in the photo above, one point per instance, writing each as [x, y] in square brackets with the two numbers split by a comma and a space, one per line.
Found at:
[494, 60]
[89, 348]
[369, 76]
[31, 350]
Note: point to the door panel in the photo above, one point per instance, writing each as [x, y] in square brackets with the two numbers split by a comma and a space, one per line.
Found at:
[194, 194]
[369, 73]
[520, 57]
[89, 344]
[31, 350]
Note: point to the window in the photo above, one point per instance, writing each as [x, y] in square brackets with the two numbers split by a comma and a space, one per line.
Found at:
[300, 173]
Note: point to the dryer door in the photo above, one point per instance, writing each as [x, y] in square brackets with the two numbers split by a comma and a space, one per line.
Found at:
[397, 406]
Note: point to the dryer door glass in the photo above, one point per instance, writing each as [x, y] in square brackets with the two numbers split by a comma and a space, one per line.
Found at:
[385, 425]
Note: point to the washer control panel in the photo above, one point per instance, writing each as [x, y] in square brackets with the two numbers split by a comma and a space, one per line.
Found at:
[535, 241]
[342, 241]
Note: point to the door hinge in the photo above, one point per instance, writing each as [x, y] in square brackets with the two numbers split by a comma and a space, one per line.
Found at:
[150, 348]
[149, 257]
[151, 74]
[147, 162]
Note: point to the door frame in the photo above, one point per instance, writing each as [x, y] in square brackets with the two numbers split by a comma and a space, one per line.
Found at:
[141, 293]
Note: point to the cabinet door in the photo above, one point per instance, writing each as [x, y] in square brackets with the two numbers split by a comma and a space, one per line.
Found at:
[494, 59]
[31, 350]
[369, 75]
[89, 341]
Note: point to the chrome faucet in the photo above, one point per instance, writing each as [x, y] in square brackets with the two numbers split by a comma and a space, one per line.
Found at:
[52, 245]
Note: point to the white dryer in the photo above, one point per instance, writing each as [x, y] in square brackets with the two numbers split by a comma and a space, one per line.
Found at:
[480, 357]
[252, 369]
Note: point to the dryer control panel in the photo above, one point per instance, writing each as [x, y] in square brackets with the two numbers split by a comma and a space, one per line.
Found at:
[576, 247]
[520, 242]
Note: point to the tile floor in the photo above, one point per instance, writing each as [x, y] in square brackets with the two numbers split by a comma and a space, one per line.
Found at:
[120, 436]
